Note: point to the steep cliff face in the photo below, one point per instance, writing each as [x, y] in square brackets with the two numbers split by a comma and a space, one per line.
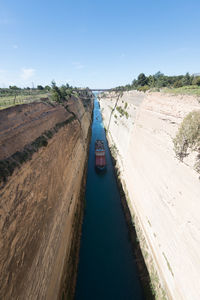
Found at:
[162, 193]
[40, 204]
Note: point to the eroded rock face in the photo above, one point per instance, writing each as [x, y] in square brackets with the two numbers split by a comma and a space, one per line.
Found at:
[21, 124]
[163, 194]
[40, 203]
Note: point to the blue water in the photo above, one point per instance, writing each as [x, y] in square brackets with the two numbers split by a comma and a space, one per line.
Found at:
[107, 269]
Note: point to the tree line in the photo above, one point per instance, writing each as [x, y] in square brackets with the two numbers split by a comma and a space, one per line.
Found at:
[159, 80]
[15, 90]
[56, 93]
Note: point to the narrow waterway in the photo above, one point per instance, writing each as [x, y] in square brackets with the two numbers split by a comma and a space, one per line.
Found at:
[107, 269]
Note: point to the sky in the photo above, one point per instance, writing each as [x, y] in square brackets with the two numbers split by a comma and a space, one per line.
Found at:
[96, 43]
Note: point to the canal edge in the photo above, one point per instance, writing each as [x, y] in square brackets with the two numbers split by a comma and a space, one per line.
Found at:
[153, 283]
[70, 271]
[135, 244]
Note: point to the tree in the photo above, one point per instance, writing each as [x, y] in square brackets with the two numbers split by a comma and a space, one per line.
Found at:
[56, 94]
[196, 81]
[187, 80]
[47, 88]
[158, 74]
[142, 79]
[40, 87]
[188, 135]
[178, 84]
[13, 87]
[151, 81]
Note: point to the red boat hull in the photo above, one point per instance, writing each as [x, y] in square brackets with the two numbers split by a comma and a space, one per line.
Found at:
[100, 161]
[100, 158]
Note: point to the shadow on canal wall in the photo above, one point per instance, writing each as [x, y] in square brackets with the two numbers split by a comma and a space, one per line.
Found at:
[69, 277]
[129, 145]
[42, 178]
[145, 279]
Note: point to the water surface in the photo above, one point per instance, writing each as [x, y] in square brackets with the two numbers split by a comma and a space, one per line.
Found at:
[107, 269]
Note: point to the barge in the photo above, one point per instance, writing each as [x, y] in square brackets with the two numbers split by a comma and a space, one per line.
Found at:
[100, 156]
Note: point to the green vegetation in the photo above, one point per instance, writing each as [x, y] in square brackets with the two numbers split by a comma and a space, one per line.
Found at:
[65, 92]
[21, 96]
[143, 88]
[159, 80]
[188, 137]
[122, 111]
[61, 124]
[15, 95]
[185, 90]
[41, 141]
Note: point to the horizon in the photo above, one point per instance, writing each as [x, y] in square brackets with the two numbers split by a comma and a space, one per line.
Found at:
[104, 45]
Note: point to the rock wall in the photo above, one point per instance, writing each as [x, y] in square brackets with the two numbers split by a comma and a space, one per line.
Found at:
[162, 193]
[40, 203]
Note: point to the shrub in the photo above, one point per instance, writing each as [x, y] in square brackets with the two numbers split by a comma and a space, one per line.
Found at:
[20, 156]
[143, 88]
[41, 141]
[3, 170]
[122, 112]
[49, 134]
[188, 136]
[196, 81]
[178, 84]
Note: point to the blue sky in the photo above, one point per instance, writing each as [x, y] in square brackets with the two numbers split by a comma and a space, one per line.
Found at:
[96, 43]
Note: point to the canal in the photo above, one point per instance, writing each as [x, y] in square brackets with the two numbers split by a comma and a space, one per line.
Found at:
[107, 269]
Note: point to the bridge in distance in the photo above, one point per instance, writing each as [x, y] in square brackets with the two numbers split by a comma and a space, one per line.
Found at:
[100, 90]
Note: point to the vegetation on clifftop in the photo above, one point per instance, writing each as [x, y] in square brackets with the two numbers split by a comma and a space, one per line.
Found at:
[188, 137]
[160, 80]
[65, 92]
[15, 95]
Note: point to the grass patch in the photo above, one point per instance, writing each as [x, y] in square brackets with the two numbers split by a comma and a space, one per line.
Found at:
[185, 90]
[11, 100]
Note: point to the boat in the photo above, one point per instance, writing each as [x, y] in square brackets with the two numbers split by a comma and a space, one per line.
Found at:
[100, 156]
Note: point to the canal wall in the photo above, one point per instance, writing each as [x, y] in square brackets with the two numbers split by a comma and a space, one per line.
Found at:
[43, 159]
[162, 193]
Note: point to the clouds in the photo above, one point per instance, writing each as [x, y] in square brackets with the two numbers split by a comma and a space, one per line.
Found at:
[27, 74]
[77, 65]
